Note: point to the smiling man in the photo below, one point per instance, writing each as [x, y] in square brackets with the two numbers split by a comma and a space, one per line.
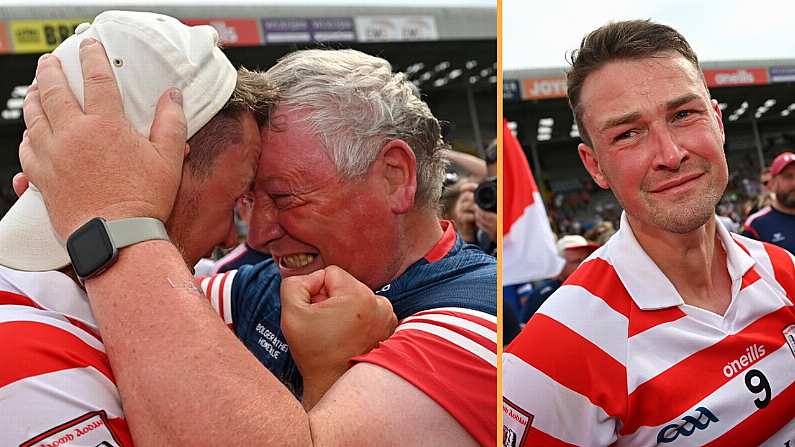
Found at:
[349, 177]
[675, 330]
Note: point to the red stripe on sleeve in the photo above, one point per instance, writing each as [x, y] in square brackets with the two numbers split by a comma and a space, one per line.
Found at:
[653, 403]
[31, 348]
[485, 323]
[490, 344]
[221, 296]
[783, 268]
[460, 382]
[599, 278]
[21, 300]
[762, 424]
[574, 362]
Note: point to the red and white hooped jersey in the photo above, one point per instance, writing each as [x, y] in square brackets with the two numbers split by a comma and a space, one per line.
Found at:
[56, 385]
[615, 357]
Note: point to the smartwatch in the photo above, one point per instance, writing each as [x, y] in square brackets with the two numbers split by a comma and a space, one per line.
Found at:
[95, 246]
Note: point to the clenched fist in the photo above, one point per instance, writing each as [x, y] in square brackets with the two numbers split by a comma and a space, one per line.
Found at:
[328, 317]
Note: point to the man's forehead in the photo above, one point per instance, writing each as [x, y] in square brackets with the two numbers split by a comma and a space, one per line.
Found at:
[617, 91]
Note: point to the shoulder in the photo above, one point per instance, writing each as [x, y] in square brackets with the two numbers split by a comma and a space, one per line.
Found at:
[52, 363]
[464, 279]
[758, 216]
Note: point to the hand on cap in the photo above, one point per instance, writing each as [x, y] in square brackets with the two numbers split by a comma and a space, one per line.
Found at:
[329, 317]
[90, 162]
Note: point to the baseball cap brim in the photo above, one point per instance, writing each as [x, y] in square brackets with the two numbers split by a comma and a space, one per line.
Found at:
[27, 238]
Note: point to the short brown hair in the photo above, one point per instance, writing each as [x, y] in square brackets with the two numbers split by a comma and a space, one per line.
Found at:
[253, 93]
[631, 39]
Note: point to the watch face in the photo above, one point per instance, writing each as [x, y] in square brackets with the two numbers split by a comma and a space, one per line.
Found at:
[90, 248]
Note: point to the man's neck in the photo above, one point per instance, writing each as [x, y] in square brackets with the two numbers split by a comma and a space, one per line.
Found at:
[694, 262]
[781, 208]
[423, 232]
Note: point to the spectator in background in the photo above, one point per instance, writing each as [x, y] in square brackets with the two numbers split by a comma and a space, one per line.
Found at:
[474, 224]
[485, 220]
[573, 249]
[601, 232]
[775, 223]
[458, 206]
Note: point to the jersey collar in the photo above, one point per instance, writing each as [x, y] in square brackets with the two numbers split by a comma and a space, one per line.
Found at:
[647, 284]
[445, 244]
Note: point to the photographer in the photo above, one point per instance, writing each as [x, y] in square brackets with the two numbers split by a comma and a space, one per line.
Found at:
[471, 202]
[486, 204]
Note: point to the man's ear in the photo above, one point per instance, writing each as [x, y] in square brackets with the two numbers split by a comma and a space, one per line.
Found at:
[591, 163]
[187, 151]
[398, 167]
[719, 118]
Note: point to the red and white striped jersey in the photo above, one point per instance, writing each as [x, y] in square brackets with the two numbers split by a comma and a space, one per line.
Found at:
[445, 344]
[451, 355]
[56, 386]
[615, 356]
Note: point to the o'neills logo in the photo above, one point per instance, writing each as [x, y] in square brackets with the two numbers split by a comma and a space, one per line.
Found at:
[738, 77]
[752, 354]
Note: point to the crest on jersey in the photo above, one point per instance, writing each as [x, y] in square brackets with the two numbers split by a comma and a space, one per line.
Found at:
[789, 335]
[515, 423]
[89, 429]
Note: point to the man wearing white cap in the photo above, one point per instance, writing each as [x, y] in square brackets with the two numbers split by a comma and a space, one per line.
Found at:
[56, 385]
[775, 223]
[432, 382]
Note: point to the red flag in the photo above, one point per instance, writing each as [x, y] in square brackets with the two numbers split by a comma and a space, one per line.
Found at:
[529, 251]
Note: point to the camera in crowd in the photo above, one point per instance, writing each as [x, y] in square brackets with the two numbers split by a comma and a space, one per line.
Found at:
[486, 195]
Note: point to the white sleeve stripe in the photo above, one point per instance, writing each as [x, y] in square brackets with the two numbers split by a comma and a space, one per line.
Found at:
[204, 284]
[455, 338]
[215, 293]
[456, 321]
[462, 310]
[45, 399]
[227, 296]
[25, 313]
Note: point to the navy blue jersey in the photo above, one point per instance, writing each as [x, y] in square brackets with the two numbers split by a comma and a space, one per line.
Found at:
[773, 226]
[455, 281]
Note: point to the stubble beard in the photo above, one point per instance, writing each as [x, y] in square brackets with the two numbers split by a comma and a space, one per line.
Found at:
[688, 212]
[786, 199]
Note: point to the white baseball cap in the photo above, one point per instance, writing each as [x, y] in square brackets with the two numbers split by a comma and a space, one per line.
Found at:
[574, 241]
[150, 53]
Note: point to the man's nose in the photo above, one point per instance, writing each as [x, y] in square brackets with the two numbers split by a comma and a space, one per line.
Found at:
[264, 225]
[669, 154]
